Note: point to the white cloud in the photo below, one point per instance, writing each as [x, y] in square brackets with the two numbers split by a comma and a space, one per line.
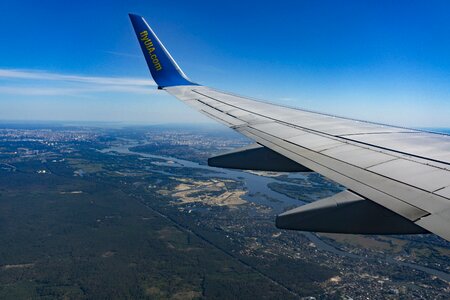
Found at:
[37, 82]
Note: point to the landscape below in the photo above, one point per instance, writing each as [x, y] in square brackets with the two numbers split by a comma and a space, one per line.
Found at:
[134, 212]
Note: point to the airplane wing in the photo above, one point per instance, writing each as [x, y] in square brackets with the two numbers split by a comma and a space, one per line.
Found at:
[397, 179]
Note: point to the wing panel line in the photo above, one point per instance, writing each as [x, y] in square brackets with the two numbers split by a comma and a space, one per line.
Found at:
[334, 136]
[346, 163]
[412, 213]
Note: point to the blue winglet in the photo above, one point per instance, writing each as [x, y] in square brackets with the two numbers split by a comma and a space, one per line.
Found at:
[163, 68]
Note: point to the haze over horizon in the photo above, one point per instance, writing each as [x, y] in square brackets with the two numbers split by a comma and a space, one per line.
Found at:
[374, 60]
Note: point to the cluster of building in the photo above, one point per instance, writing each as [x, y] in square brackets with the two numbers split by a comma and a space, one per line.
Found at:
[48, 136]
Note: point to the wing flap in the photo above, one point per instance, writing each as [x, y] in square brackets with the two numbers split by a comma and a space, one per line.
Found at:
[445, 192]
[357, 156]
[411, 172]
[437, 223]
[419, 144]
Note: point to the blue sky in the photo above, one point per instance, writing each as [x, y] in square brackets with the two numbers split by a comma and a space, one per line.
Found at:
[385, 61]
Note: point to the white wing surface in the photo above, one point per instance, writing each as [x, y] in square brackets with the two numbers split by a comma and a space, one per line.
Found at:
[398, 179]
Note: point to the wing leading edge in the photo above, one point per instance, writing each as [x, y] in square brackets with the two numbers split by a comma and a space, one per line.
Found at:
[398, 179]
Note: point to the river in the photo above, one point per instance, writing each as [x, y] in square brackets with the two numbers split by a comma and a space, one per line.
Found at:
[256, 185]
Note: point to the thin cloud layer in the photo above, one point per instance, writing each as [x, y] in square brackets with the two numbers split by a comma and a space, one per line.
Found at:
[38, 82]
